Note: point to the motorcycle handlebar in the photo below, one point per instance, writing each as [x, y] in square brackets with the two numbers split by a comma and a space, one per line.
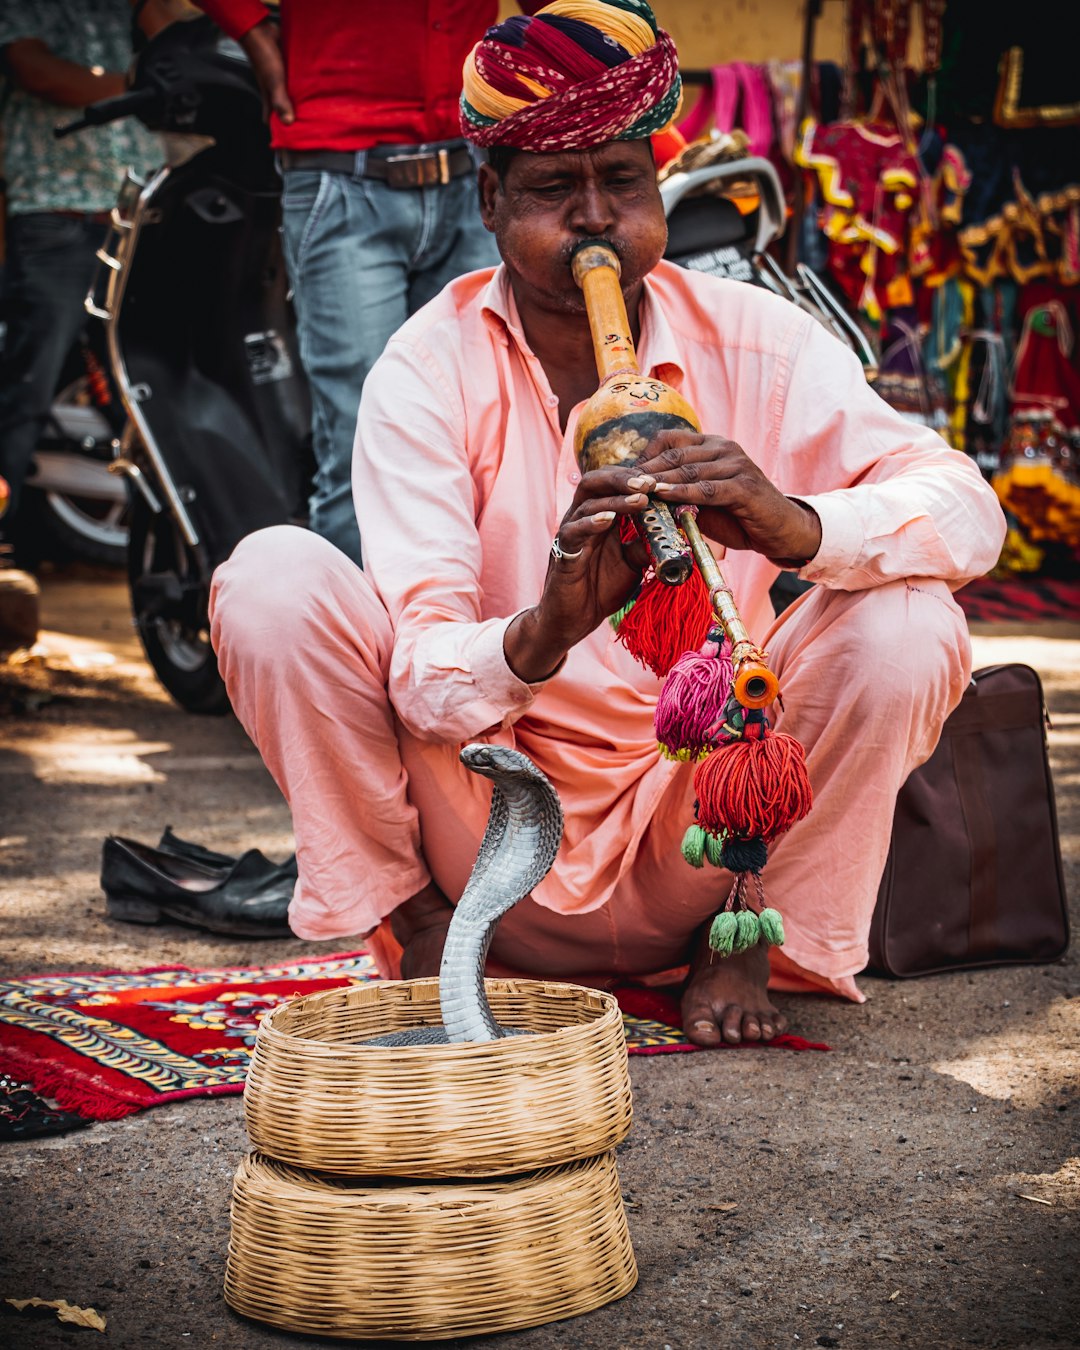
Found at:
[109, 110]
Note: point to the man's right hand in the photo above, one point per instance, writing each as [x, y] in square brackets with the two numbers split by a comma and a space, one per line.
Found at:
[581, 591]
[263, 46]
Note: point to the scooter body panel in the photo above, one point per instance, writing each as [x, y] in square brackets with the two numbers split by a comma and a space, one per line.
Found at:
[209, 346]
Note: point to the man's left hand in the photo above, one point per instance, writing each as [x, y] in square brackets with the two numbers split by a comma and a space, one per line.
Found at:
[737, 505]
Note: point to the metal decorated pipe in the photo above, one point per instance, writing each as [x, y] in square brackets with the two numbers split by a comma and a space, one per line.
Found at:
[615, 426]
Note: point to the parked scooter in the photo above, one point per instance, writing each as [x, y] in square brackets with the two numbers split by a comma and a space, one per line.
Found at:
[201, 340]
[71, 506]
[707, 232]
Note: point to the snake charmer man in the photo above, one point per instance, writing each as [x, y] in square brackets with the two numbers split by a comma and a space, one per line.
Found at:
[468, 623]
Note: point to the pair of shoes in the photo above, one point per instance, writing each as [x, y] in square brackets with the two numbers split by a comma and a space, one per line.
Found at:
[182, 882]
[224, 862]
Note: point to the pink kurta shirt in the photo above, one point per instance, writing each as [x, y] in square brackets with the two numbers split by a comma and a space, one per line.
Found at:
[462, 474]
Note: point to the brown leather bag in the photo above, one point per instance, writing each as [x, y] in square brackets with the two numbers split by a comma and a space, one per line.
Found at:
[974, 875]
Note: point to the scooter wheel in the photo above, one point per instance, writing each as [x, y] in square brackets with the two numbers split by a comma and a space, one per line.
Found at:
[170, 588]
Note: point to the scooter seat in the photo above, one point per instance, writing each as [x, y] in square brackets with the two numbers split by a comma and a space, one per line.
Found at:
[700, 224]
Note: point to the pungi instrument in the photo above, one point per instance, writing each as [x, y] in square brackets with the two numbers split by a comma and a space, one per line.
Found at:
[615, 426]
[751, 783]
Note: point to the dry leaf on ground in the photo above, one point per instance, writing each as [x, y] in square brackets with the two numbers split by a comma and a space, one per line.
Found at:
[65, 1311]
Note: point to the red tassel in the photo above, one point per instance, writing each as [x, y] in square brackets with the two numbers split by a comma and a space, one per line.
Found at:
[666, 622]
[753, 789]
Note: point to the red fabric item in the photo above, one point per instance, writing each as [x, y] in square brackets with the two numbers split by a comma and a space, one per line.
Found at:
[1019, 600]
[364, 73]
[105, 1044]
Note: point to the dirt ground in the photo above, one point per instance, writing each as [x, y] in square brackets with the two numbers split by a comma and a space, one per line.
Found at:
[917, 1186]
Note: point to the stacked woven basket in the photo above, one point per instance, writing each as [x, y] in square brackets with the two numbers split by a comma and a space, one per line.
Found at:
[432, 1191]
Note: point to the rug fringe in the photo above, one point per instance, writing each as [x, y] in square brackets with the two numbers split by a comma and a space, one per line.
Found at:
[55, 1082]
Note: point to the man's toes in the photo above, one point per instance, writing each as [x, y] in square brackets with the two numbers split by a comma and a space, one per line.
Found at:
[700, 1026]
[751, 1028]
[768, 1030]
[732, 1024]
[704, 1033]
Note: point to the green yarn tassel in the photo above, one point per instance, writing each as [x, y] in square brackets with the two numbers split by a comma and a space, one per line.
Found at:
[722, 933]
[693, 846]
[772, 927]
[684, 756]
[747, 931]
[714, 847]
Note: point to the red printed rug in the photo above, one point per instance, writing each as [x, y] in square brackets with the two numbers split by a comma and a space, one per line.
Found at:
[106, 1044]
[1019, 599]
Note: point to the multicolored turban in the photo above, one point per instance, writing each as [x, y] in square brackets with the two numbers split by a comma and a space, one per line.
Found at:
[575, 74]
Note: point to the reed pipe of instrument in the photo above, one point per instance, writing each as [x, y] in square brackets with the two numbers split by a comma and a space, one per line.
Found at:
[615, 427]
[628, 408]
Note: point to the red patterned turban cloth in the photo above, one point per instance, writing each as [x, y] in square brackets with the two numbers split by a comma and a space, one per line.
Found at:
[575, 74]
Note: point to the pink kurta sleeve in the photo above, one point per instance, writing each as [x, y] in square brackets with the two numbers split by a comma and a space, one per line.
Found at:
[416, 504]
[906, 506]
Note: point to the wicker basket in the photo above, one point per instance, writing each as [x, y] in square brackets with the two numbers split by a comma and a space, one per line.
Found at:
[367, 1259]
[318, 1099]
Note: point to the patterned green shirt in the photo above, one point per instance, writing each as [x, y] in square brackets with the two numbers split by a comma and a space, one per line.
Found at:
[83, 172]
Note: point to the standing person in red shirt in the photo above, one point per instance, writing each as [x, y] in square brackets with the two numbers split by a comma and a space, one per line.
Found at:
[380, 205]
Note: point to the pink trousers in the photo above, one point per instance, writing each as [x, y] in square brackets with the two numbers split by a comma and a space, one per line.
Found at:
[304, 644]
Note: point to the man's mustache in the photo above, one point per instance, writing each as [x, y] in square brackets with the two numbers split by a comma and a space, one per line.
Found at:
[616, 245]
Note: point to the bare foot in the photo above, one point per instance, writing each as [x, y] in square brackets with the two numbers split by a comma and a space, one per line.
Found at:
[420, 926]
[726, 998]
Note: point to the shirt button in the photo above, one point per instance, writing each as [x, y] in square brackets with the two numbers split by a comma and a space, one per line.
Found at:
[575, 477]
[552, 401]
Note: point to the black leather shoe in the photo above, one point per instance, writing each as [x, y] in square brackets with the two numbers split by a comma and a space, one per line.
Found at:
[221, 862]
[147, 885]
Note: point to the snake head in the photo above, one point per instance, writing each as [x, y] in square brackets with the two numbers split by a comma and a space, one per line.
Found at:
[499, 762]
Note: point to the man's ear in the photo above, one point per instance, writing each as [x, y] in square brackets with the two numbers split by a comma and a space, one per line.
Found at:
[489, 186]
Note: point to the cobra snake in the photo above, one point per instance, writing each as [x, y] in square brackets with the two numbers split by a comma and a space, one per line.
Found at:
[524, 830]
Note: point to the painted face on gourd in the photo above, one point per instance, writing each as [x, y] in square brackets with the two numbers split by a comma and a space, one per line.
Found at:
[624, 414]
[637, 393]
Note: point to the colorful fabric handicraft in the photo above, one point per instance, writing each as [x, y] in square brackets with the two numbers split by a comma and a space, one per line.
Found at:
[869, 184]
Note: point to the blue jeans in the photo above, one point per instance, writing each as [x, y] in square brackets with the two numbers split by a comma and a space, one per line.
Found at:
[362, 257]
[50, 265]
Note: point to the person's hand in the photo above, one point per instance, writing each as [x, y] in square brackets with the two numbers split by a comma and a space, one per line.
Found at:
[263, 47]
[594, 578]
[737, 505]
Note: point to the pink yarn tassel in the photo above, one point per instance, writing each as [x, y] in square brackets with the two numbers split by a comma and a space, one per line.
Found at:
[692, 699]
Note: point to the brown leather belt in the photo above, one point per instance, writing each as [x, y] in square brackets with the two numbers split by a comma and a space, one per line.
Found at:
[427, 166]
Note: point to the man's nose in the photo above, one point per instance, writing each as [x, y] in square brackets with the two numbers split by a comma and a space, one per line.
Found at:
[591, 212]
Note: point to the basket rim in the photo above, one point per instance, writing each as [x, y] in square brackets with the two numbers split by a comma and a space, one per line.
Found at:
[392, 1189]
[308, 1045]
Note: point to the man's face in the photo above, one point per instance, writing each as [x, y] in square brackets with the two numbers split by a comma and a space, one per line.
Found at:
[547, 204]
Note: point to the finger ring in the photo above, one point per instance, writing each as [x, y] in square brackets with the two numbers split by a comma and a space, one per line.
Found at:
[559, 553]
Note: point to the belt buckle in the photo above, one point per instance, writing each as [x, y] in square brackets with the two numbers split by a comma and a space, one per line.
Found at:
[420, 170]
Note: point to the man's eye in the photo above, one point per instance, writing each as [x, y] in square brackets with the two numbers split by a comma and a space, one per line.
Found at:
[550, 189]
